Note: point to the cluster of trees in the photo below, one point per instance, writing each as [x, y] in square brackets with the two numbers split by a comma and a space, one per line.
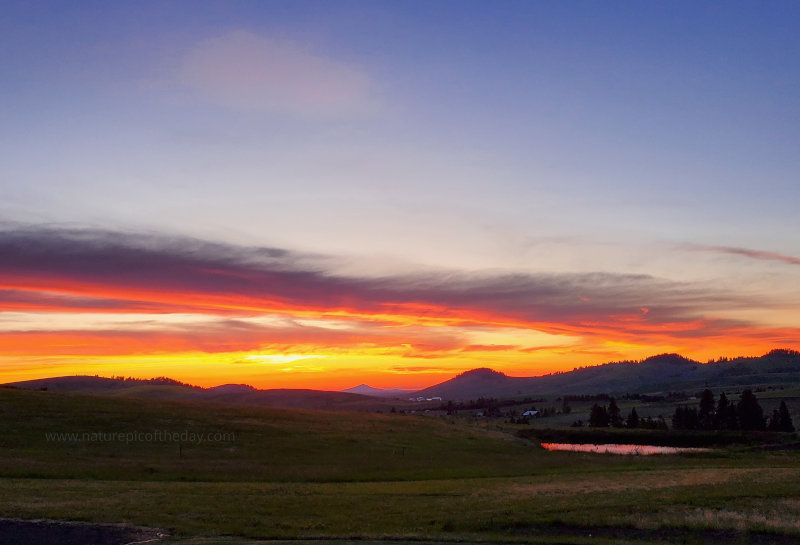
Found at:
[778, 353]
[157, 381]
[747, 414]
[602, 416]
[711, 414]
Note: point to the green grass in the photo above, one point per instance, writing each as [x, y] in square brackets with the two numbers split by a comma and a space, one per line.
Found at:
[304, 475]
[655, 502]
[267, 444]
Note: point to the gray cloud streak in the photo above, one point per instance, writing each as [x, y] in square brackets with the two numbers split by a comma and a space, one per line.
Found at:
[744, 252]
[204, 273]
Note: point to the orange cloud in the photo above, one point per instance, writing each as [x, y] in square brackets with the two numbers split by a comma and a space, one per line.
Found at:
[255, 299]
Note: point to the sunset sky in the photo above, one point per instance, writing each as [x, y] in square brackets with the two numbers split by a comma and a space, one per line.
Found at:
[319, 194]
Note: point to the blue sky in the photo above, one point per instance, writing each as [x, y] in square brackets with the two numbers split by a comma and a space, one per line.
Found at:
[629, 138]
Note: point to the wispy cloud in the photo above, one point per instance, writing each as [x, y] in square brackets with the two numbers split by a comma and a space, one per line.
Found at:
[490, 348]
[246, 71]
[745, 252]
[421, 369]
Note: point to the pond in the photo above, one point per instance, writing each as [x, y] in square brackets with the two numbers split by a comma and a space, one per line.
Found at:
[639, 450]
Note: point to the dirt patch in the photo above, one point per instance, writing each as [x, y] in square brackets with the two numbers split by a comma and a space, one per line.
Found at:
[54, 532]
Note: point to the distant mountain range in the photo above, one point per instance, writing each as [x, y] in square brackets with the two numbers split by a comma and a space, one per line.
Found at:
[658, 374]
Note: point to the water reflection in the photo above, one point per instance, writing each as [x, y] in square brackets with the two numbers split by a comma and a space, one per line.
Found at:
[640, 450]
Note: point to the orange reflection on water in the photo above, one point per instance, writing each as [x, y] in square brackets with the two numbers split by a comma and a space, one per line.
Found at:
[639, 450]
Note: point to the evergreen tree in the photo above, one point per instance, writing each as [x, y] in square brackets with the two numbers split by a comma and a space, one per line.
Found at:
[614, 416]
[705, 415]
[633, 419]
[774, 423]
[598, 417]
[785, 418]
[685, 418]
[731, 420]
[722, 409]
[677, 418]
[751, 416]
[725, 418]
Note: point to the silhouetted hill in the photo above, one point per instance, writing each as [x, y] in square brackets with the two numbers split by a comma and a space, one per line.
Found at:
[227, 394]
[89, 384]
[657, 374]
[476, 383]
[662, 373]
[367, 390]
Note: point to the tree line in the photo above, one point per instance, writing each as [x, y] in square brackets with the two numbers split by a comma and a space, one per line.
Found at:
[722, 414]
[711, 414]
[602, 416]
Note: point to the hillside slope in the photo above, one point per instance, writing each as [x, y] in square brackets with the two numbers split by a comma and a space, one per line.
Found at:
[228, 394]
[663, 373]
[79, 436]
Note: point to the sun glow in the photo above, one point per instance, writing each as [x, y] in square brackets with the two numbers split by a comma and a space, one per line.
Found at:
[279, 359]
[206, 321]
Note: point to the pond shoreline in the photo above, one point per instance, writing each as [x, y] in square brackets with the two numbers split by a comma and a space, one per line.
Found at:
[621, 449]
[670, 438]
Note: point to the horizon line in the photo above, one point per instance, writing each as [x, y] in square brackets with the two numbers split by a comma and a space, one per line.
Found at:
[719, 359]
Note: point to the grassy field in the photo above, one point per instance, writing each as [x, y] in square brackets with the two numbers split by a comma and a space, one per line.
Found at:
[265, 475]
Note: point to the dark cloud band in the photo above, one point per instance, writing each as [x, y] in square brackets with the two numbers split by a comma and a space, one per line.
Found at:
[91, 269]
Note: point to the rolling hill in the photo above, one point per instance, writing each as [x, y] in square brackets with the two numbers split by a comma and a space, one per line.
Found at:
[367, 390]
[657, 374]
[663, 373]
[227, 394]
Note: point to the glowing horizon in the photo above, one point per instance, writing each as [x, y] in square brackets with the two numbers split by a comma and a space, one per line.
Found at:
[89, 302]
